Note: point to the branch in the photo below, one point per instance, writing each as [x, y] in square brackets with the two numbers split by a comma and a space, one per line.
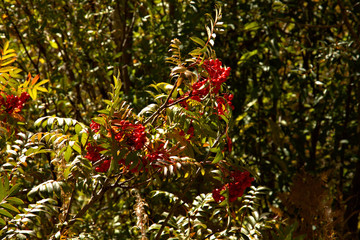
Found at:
[179, 100]
[94, 198]
[162, 107]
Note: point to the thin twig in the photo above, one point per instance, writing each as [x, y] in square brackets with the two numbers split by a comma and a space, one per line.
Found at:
[179, 100]
[162, 107]
[129, 30]
[21, 39]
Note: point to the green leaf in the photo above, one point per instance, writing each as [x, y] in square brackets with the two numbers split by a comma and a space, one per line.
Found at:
[78, 128]
[27, 220]
[67, 154]
[148, 109]
[247, 56]
[50, 121]
[154, 226]
[83, 138]
[219, 156]
[113, 165]
[68, 121]
[251, 26]
[5, 213]
[49, 188]
[2, 221]
[53, 44]
[28, 232]
[223, 117]
[14, 189]
[208, 31]
[198, 41]
[2, 191]
[32, 193]
[21, 236]
[33, 93]
[57, 189]
[77, 147]
[202, 171]
[43, 190]
[9, 207]
[15, 200]
[178, 69]
[198, 51]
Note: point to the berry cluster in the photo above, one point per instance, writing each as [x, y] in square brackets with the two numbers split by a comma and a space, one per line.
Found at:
[93, 155]
[13, 103]
[159, 155]
[154, 158]
[217, 75]
[93, 152]
[222, 102]
[239, 181]
[133, 134]
[94, 126]
[104, 166]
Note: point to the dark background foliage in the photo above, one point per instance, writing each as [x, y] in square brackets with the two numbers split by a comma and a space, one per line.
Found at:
[295, 77]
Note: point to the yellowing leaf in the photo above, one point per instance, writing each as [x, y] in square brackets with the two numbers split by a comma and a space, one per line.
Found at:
[6, 69]
[7, 62]
[3, 57]
[53, 45]
[6, 46]
[41, 89]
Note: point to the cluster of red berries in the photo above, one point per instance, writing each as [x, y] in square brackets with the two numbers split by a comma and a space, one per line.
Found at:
[94, 126]
[13, 103]
[239, 181]
[222, 102]
[93, 152]
[217, 75]
[159, 156]
[133, 134]
[104, 166]
[93, 155]
[199, 90]
[154, 158]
